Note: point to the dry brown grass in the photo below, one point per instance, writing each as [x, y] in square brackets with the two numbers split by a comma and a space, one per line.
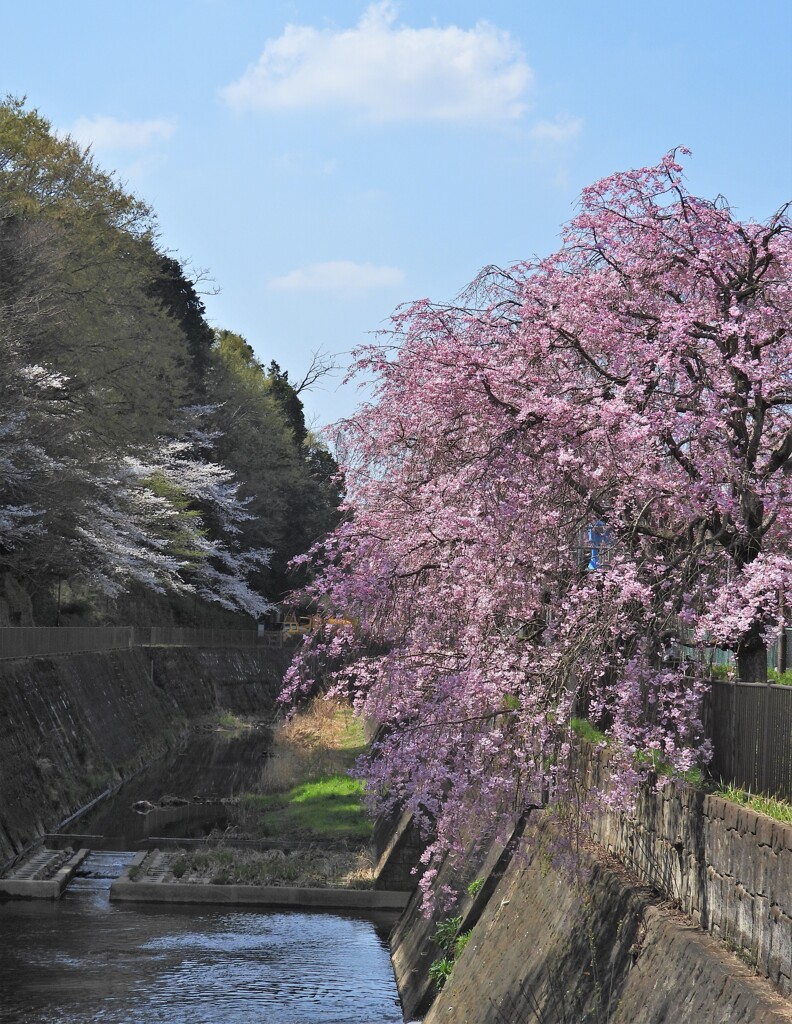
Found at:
[322, 739]
[310, 867]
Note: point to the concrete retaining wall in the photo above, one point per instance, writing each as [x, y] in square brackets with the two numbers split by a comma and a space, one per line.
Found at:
[689, 864]
[567, 935]
[413, 948]
[70, 725]
[398, 847]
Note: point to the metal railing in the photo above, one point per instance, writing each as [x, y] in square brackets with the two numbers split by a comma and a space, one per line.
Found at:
[177, 636]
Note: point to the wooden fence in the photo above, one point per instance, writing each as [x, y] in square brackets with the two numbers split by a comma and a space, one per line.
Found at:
[32, 641]
[750, 725]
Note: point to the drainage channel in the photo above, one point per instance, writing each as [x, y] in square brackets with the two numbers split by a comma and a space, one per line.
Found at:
[83, 959]
[97, 872]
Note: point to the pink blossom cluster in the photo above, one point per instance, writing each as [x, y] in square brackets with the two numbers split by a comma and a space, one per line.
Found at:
[563, 483]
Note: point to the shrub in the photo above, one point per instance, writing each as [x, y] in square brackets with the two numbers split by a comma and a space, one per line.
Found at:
[475, 887]
[440, 971]
[446, 932]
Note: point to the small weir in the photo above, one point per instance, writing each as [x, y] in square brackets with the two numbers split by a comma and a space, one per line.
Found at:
[81, 958]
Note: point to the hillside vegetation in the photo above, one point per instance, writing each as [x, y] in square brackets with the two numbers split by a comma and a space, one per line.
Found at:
[152, 468]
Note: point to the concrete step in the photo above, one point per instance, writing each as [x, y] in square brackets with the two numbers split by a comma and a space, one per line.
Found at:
[44, 875]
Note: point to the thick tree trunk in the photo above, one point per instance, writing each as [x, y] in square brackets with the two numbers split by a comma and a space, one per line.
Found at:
[752, 662]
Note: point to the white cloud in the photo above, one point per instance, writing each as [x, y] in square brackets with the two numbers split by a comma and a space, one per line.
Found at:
[386, 72]
[338, 276]
[108, 133]
[562, 129]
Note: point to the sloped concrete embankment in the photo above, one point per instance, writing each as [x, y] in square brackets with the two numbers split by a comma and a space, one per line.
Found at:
[566, 934]
[73, 725]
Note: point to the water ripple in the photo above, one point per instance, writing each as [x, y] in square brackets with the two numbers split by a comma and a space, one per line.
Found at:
[84, 961]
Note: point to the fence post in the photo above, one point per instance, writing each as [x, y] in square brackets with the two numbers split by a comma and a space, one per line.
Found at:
[733, 730]
[765, 771]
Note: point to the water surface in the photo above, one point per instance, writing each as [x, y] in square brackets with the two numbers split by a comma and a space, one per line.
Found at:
[84, 960]
[208, 767]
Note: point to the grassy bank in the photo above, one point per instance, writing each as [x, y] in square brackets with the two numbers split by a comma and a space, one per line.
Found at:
[329, 807]
[304, 791]
[303, 800]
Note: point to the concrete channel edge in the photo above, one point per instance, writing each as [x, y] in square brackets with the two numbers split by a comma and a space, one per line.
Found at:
[125, 889]
[43, 888]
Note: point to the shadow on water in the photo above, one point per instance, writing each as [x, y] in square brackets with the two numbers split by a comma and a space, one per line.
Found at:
[181, 795]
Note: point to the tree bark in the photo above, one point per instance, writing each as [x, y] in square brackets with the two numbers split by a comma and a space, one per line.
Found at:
[752, 661]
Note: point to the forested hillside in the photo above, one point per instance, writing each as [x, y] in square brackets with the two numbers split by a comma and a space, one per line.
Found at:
[150, 466]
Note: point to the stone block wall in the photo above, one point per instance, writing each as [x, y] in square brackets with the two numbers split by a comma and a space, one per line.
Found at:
[727, 867]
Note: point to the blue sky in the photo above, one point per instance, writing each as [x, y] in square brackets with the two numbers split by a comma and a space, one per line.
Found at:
[326, 162]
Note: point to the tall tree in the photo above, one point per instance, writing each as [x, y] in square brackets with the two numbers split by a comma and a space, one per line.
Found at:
[178, 296]
[630, 394]
[288, 401]
[286, 474]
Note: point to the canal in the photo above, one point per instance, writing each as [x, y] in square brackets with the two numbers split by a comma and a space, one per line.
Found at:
[83, 959]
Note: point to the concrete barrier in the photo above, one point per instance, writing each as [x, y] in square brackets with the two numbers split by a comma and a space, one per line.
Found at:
[291, 897]
[20, 886]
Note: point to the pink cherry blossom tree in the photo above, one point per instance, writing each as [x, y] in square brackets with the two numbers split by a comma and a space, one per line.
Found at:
[563, 483]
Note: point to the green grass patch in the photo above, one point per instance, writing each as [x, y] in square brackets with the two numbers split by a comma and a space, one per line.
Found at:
[452, 942]
[780, 810]
[773, 675]
[583, 728]
[475, 887]
[695, 776]
[305, 791]
[350, 734]
[228, 720]
[586, 731]
[330, 807]
[440, 971]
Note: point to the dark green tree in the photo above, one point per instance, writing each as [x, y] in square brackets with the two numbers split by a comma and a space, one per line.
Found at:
[178, 296]
[289, 401]
[286, 473]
